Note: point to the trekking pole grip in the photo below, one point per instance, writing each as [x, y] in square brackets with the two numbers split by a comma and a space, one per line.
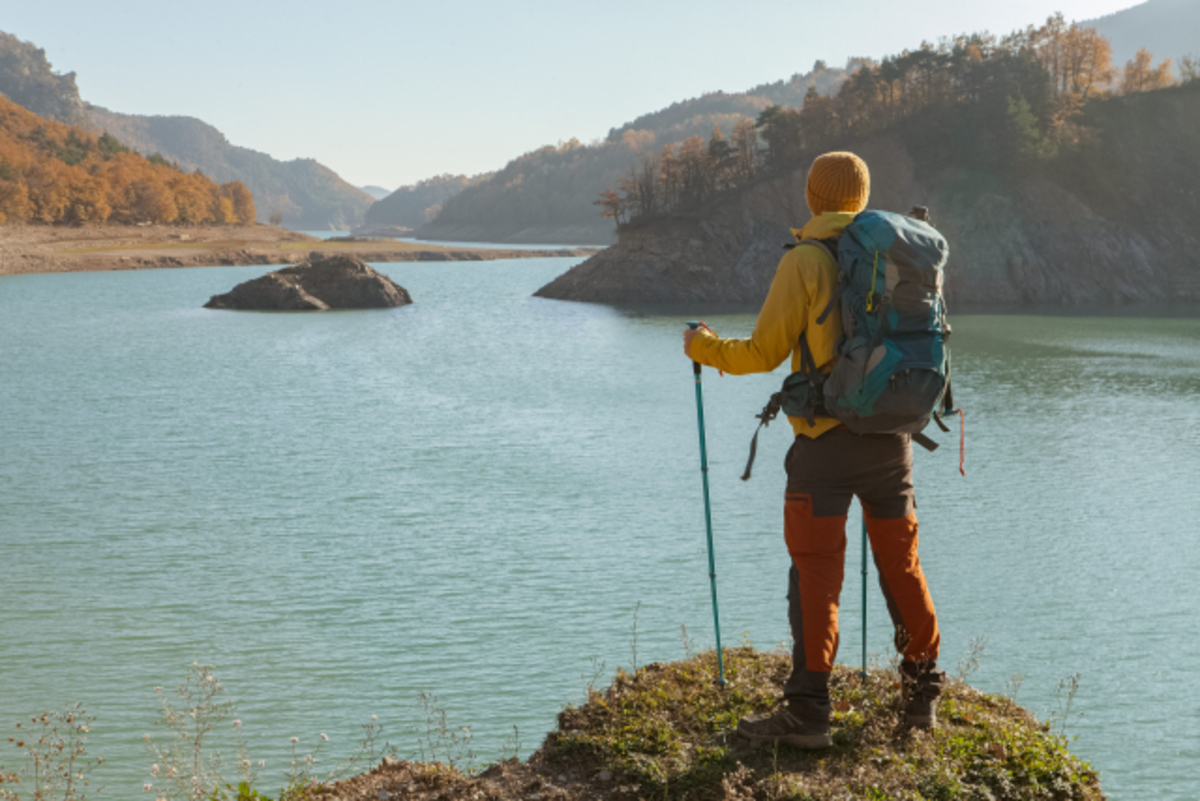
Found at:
[695, 364]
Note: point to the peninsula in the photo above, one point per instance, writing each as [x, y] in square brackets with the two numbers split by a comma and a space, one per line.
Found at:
[28, 248]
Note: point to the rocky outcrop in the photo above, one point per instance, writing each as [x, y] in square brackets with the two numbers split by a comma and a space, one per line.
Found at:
[722, 258]
[337, 282]
[1114, 226]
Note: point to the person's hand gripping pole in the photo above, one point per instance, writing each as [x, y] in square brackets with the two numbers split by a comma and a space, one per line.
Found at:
[712, 569]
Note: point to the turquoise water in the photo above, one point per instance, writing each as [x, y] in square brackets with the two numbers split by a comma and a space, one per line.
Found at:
[325, 234]
[471, 495]
[441, 243]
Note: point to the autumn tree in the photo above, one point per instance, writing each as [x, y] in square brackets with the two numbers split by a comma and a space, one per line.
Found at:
[694, 170]
[670, 179]
[780, 129]
[1086, 62]
[14, 202]
[745, 150]
[720, 160]
[818, 122]
[244, 212]
[611, 205]
[1141, 76]
[1189, 69]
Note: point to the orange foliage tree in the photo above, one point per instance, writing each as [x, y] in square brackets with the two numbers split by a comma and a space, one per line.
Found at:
[1142, 76]
[55, 174]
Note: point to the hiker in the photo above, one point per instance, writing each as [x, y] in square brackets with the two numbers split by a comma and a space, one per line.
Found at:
[826, 466]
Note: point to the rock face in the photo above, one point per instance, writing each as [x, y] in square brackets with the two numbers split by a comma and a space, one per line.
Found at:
[338, 282]
[1117, 229]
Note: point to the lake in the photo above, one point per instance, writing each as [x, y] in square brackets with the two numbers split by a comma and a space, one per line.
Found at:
[496, 499]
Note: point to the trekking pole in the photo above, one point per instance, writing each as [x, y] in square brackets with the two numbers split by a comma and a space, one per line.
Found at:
[864, 600]
[712, 566]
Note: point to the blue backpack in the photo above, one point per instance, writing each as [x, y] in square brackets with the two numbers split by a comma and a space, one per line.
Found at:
[893, 366]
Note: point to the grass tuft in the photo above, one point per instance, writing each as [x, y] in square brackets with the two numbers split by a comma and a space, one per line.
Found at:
[668, 731]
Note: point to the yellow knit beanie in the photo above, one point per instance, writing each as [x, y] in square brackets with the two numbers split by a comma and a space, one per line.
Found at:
[838, 182]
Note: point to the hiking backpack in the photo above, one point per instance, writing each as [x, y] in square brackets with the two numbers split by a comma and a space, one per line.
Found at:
[893, 362]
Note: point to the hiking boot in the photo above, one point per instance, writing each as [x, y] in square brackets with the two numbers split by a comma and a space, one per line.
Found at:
[920, 687]
[782, 726]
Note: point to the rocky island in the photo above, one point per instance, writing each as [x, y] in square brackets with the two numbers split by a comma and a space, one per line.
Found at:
[321, 283]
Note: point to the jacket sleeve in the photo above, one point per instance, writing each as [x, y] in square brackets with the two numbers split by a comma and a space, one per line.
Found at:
[780, 323]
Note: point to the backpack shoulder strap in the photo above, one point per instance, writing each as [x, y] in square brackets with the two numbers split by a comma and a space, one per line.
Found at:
[830, 247]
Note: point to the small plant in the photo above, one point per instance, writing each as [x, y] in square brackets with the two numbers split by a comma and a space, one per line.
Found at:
[510, 748]
[437, 741]
[300, 770]
[1064, 696]
[1013, 686]
[597, 671]
[184, 762]
[689, 645]
[55, 766]
[976, 650]
[369, 751]
[633, 637]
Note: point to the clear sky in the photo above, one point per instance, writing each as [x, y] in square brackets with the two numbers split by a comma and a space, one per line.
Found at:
[389, 93]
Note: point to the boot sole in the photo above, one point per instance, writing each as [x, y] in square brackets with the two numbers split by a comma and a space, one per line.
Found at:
[807, 741]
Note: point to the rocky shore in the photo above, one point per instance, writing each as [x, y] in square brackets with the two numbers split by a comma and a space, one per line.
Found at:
[59, 249]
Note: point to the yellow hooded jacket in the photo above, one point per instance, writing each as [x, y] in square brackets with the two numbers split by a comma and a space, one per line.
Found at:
[803, 285]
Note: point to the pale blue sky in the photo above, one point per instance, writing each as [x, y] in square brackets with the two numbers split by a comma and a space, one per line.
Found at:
[390, 93]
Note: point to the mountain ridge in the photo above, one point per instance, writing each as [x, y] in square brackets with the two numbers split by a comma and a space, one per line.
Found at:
[304, 193]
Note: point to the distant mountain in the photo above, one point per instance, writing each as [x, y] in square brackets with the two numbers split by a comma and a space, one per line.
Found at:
[413, 206]
[548, 194]
[377, 192]
[1167, 28]
[307, 195]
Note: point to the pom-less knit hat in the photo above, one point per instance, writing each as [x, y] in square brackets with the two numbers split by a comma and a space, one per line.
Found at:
[838, 182]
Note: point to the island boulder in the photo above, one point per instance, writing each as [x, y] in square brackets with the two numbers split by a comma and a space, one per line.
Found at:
[335, 282]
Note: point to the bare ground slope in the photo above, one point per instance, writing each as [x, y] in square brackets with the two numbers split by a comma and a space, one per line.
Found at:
[52, 249]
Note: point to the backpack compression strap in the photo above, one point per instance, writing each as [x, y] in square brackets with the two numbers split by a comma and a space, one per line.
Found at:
[769, 413]
[808, 366]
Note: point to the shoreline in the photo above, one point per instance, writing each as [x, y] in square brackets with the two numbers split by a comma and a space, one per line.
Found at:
[30, 249]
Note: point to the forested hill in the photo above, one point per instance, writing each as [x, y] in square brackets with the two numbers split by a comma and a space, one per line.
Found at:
[307, 195]
[1054, 183]
[548, 195]
[412, 206]
[56, 173]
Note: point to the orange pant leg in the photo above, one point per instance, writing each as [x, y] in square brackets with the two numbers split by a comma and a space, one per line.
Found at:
[894, 541]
